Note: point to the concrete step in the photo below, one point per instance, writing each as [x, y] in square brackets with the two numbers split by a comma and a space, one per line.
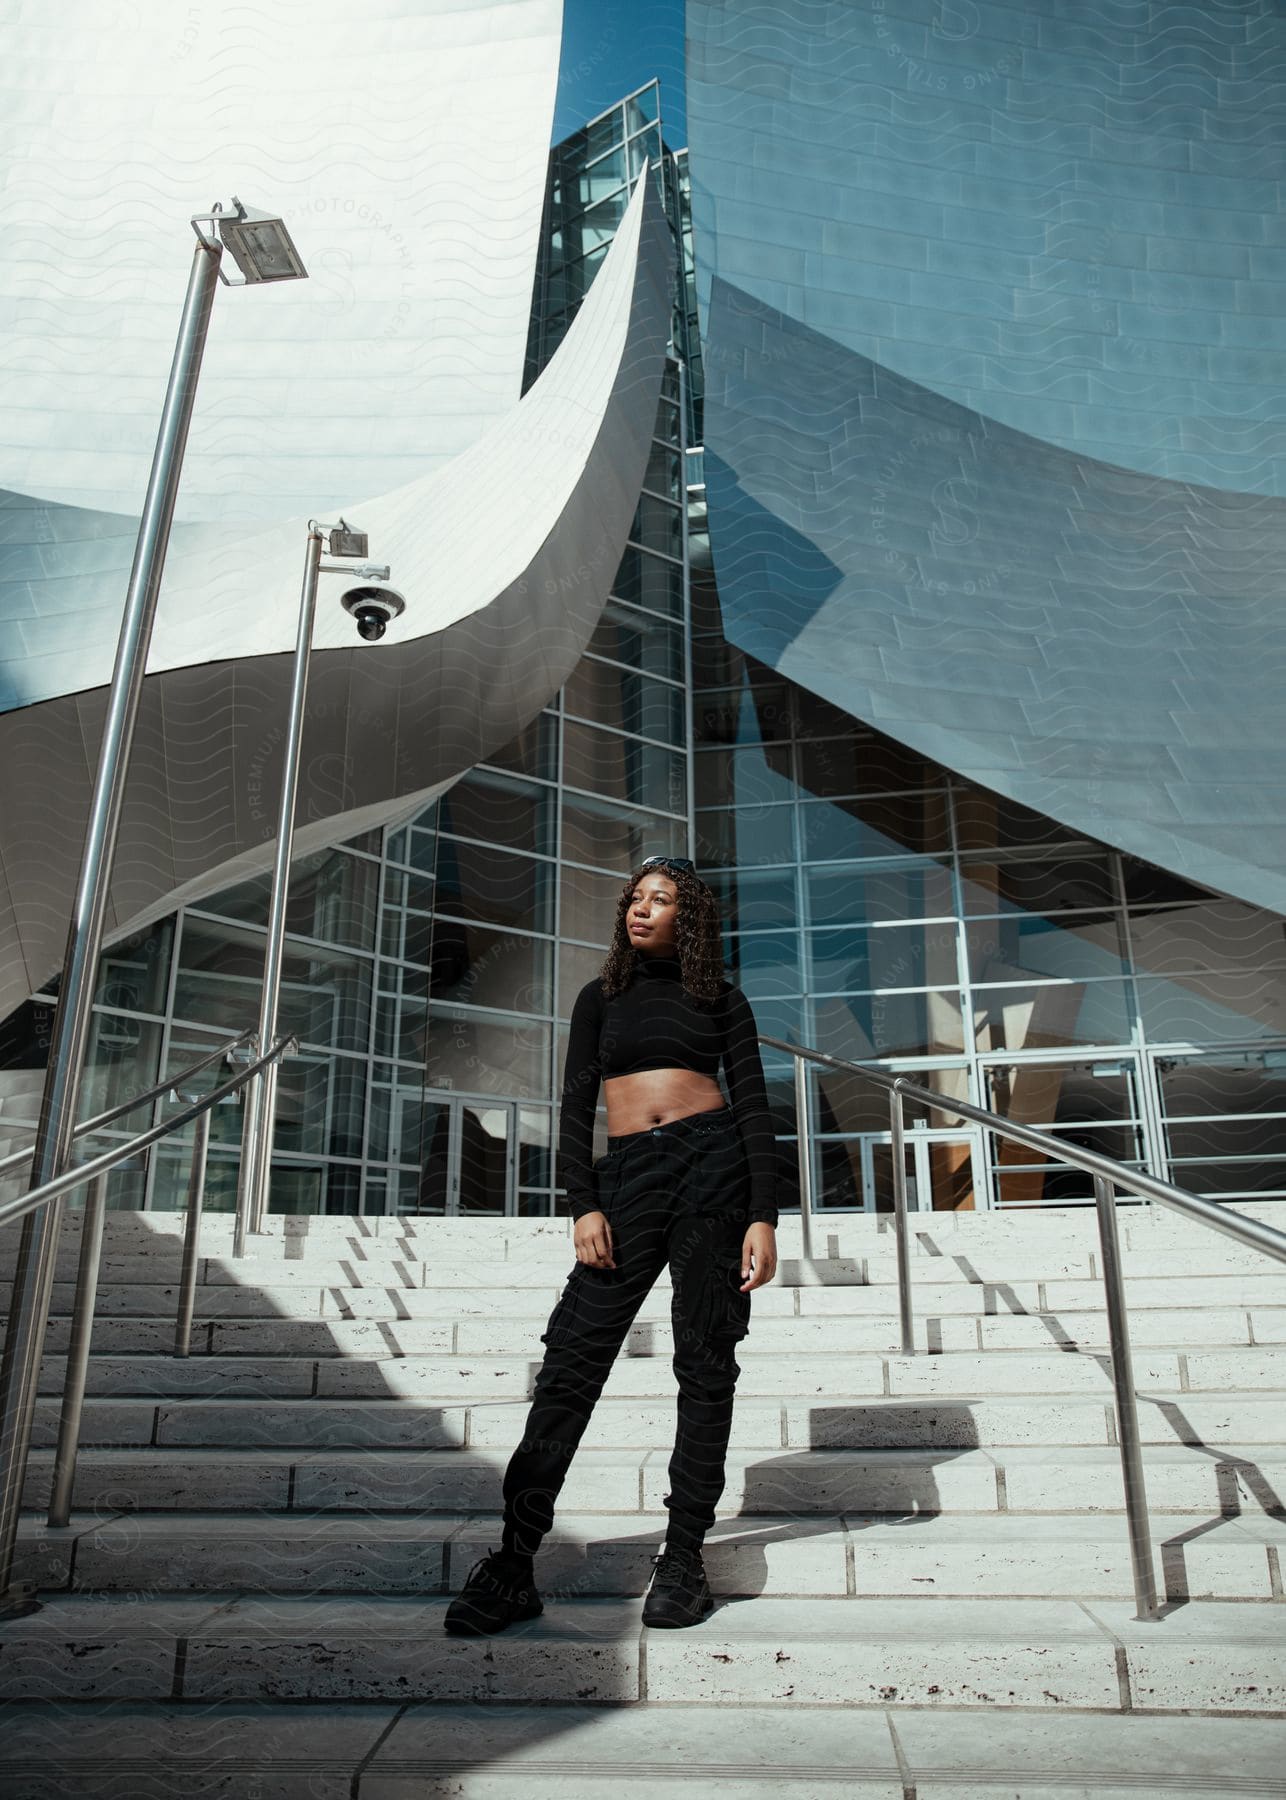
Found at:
[817, 1652]
[1032, 1557]
[514, 1334]
[809, 1478]
[407, 1267]
[362, 1295]
[764, 1371]
[880, 1421]
[561, 1751]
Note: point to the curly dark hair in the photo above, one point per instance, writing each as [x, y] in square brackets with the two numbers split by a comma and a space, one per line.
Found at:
[697, 938]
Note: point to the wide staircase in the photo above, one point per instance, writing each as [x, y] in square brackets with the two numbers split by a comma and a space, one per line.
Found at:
[921, 1565]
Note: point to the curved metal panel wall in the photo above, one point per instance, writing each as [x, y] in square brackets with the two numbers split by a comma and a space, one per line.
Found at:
[405, 143]
[1069, 219]
[1103, 643]
[506, 554]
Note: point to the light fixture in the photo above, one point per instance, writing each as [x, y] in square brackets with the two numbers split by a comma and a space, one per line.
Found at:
[261, 246]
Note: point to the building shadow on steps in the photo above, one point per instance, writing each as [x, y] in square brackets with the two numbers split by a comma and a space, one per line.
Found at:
[865, 1467]
[869, 1466]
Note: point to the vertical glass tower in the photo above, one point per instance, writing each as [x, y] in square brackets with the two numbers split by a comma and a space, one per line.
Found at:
[876, 906]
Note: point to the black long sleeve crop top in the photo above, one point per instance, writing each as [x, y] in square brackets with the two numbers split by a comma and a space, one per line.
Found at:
[654, 1024]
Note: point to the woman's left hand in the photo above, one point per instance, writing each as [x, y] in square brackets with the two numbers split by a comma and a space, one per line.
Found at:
[760, 1248]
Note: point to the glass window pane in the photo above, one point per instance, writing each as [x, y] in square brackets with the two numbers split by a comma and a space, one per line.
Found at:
[577, 964]
[325, 993]
[875, 827]
[490, 968]
[535, 1167]
[331, 897]
[750, 777]
[839, 1175]
[650, 581]
[1039, 1018]
[1079, 947]
[1226, 1180]
[476, 882]
[589, 903]
[641, 109]
[659, 526]
[624, 768]
[500, 809]
[765, 964]
[123, 1058]
[1149, 886]
[484, 1055]
[623, 698]
[1205, 1084]
[602, 134]
[134, 976]
[742, 715]
[751, 835]
[857, 762]
[664, 473]
[1042, 1184]
[859, 958]
[1253, 1136]
[640, 640]
[857, 895]
[1037, 884]
[1212, 1008]
[1050, 1095]
[986, 821]
[321, 1106]
[1219, 933]
[750, 899]
[646, 147]
[534, 751]
[596, 227]
[863, 1027]
[847, 1103]
[600, 833]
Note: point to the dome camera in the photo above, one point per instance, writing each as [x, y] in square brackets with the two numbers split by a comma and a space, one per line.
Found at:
[373, 608]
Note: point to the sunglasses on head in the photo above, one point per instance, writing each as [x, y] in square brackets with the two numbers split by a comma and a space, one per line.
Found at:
[669, 862]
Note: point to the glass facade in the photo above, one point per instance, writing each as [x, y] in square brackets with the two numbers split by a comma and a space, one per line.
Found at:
[876, 906]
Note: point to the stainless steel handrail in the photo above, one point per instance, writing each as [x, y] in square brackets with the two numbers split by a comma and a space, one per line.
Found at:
[15, 1450]
[17, 1158]
[1109, 1175]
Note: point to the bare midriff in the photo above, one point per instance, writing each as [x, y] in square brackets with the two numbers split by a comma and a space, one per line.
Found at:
[658, 1097]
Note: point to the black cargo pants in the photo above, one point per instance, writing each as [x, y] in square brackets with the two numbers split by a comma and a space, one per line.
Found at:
[677, 1194]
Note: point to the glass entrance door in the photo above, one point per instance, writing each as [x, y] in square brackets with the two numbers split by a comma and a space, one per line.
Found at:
[1093, 1102]
[467, 1157]
[944, 1172]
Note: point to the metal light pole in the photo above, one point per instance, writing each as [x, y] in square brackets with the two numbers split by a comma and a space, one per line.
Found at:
[372, 609]
[262, 250]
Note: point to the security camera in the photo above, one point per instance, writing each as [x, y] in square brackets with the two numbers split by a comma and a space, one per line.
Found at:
[372, 608]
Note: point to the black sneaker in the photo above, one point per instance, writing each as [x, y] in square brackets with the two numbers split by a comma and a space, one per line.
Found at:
[499, 1590]
[680, 1593]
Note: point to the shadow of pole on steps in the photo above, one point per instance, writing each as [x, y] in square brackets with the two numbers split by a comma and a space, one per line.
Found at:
[1232, 1474]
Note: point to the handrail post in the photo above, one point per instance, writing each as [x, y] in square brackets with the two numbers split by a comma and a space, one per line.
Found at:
[803, 1125]
[191, 1235]
[38, 1245]
[1127, 1407]
[897, 1129]
[82, 1330]
[261, 1096]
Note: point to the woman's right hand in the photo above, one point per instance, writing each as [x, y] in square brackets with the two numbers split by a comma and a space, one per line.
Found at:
[593, 1239]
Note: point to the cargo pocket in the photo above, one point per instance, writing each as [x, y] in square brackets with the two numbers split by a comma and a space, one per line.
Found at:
[565, 1318]
[723, 1311]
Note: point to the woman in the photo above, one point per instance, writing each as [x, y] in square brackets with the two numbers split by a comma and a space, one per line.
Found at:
[687, 1180]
